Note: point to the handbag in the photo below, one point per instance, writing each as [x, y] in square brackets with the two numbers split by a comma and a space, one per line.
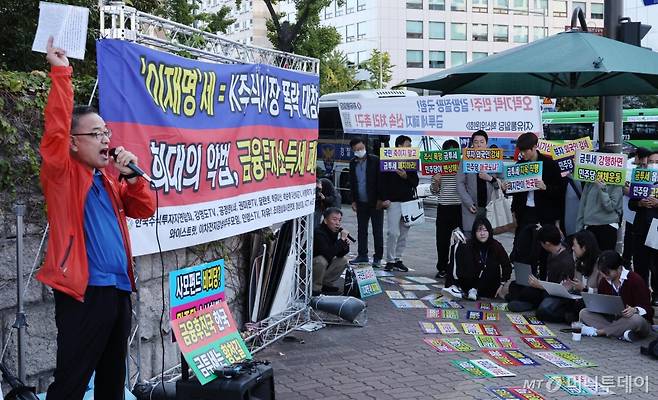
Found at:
[499, 213]
[412, 211]
[652, 235]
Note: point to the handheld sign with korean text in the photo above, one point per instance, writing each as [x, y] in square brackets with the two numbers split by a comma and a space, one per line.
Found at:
[444, 162]
[394, 158]
[523, 177]
[609, 168]
[643, 183]
[482, 160]
[565, 153]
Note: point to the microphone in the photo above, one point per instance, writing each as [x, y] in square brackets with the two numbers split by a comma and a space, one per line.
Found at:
[134, 168]
[348, 235]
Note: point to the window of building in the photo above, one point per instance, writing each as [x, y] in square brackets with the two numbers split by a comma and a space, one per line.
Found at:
[361, 30]
[520, 34]
[458, 5]
[350, 6]
[351, 59]
[480, 32]
[437, 30]
[457, 58]
[415, 4]
[539, 32]
[437, 5]
[500, 33]
[520, 7]
[362, 57]
[360, 5]
[340, 9]
[480, 6]
[559, 8]
[501, 6]
[457, 31]
[477, 55]
[540, 5]
[597, 10]
[414, 59]
[351, 33]
[414, 29]
[437, 59]
[328, 12]
[581, 4]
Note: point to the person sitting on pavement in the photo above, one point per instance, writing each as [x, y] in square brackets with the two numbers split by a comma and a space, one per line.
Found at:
[364, 182]
[483, 265]
[559, 266]
[395, 188]
[329, 249]
[636, 319]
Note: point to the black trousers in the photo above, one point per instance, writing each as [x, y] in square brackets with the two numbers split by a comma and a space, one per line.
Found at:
[644, 262]
[91, 336]
[627, 255]
[606, 236]
[448, 217]
[365, 213]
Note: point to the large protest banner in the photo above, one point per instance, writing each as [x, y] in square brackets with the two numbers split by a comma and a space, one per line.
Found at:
[453, 115]
[230, 148]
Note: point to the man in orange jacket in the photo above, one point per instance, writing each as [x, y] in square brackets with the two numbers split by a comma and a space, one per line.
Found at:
[88, 263]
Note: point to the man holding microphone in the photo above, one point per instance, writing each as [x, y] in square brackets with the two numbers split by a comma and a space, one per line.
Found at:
[329, 249]
[88, 263]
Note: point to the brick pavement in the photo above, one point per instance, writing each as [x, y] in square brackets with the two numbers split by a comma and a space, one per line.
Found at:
[387, 358]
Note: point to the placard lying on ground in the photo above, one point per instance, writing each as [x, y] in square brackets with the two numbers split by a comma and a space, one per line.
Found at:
[533, 330]
[394, 158]
[452, 115]
[643, 183]
[480, 329]
[483, 315]
[194, 288]
[442, 313]
[438, 303]
[523, 177]
[482, 368]
[544, 343]
[493, 306]
[482, 160]
[444, 162]
[510, 358]
[495, 342]
[209, 339]
[564, 153]
[449, 345]
[408, 303]
[515, 392]
[609, 168]
[564, 359]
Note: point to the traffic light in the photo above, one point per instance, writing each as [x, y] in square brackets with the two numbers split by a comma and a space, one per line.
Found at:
[632, 32]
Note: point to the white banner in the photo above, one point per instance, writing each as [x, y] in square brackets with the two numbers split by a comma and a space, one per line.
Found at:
[183, 225]
[453, 115]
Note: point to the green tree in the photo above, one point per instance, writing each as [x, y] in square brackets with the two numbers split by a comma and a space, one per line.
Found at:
[380, 67]
[577, 103]
[335, 74]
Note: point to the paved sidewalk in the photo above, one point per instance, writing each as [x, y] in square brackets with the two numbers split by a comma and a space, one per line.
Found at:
[387, 359]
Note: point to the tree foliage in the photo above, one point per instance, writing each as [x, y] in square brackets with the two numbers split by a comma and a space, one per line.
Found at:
[380, 67]
[335, 74]
[592, 103]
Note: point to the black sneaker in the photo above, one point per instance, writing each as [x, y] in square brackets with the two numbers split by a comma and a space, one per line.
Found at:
[389, 266]
[401, 267]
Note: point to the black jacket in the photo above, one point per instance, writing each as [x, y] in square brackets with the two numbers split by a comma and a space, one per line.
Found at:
[331, 196]
[643, 218]
[549, 203]
[394, 188]
[327, 244]
[372, 179]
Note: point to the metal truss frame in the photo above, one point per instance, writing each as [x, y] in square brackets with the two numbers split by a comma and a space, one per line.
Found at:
[119, 21]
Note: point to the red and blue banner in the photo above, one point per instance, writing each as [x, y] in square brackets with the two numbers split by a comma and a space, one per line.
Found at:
[230, 147]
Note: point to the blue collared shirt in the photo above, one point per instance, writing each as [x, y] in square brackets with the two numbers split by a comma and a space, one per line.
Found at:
[362, 192]
[106, 254]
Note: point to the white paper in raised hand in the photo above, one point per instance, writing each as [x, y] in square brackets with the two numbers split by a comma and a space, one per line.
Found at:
[66, 24]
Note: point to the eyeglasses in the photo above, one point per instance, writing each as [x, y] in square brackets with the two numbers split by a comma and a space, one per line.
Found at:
[98, 134]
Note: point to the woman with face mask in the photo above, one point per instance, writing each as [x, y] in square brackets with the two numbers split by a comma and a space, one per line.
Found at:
[483, 265]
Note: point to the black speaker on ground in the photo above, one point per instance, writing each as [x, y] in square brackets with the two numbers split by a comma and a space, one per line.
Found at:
[257, 385]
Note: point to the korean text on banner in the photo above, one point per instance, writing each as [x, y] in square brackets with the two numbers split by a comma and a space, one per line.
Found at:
[482, 160]
[609, 168]
[368, 284]
[453, 115]
[444, 162]
[643, 183]
[394, 158]
[209, 340]
[523, 177]
[194, 288]
[565, 153]
[230, 147]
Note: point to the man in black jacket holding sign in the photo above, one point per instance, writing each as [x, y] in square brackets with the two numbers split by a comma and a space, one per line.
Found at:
[329, 249]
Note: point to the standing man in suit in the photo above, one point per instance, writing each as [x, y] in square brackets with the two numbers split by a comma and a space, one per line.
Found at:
[364, 184]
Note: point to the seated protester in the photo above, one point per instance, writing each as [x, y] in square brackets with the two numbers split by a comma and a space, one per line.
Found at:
[329, 249]
[636, 319]
[559, 265]
[585, 252]
[482, 264]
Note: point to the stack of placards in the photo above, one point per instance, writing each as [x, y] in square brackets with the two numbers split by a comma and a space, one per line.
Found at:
[608, 168]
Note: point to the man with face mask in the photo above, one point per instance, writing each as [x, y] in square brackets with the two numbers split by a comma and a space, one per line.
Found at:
[643, 256]
[364, 183]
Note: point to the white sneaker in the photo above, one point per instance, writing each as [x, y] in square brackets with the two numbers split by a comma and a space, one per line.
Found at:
[629, 336]
[588, 330]
[473, 294]
[453, 291]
